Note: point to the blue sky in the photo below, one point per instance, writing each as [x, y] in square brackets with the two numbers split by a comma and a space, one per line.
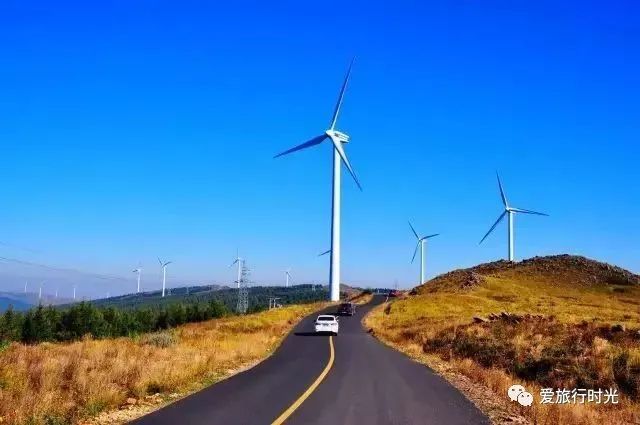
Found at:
[136, 131]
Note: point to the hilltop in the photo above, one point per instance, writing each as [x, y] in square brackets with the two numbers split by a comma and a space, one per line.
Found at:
[558, 321]
[558, 270]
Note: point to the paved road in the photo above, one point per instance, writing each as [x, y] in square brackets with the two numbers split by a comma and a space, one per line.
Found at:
[368, 384]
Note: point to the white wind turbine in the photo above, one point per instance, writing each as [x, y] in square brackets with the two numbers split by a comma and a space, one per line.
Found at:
[287, 274]
[139, 271]
[238, 261]
[339, 156]
[422, 242]
[164, 273]
[510, 212]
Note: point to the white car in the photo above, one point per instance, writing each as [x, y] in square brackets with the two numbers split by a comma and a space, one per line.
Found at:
[327, 323]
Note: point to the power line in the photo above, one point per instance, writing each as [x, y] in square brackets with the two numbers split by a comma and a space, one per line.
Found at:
[63, 269]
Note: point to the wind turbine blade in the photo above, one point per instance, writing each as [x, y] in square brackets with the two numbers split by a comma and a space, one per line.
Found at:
[336, 111]
[337, 144]
[522, 210]
[159, 261]
[168, 262]
[431, 236]
[315, 141]
[502, 195]
[494, 226]
[324, 253]
[415, 251]
[414, 231]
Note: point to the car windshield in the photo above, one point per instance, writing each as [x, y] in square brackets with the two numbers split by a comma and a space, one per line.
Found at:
[346, 305]
[326, 318]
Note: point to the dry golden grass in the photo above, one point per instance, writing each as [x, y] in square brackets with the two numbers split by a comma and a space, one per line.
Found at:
[64, 383]
[435, 327]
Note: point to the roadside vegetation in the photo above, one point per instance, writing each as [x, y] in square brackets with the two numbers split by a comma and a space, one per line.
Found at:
[68, 382]
[53, 324]
[550, 322]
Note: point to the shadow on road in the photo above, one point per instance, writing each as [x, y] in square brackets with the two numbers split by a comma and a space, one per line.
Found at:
[312, 333]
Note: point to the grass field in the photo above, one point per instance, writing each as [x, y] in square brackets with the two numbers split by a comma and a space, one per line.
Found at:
[553, 322]
[68, 383]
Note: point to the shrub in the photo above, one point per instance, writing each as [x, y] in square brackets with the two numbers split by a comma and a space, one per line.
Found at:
[626, 374]
[561, 356]
[159, 339]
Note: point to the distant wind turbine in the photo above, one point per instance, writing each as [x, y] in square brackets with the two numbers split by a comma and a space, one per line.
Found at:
[238, 261]
[164, 274]
[139, 271]
[339, 156]
[510, 212]
[74, 292]
[40, 291]
[421, 242]
[25, 286]
[287, 274]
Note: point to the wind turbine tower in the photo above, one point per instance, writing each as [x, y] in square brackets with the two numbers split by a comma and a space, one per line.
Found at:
[239, 263]
[138, 270]
[337, 138]
[287, 274]
[164, 274]
[510, 212]
[422, 243]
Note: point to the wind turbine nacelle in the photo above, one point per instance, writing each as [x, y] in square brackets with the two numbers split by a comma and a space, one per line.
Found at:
[344, 138]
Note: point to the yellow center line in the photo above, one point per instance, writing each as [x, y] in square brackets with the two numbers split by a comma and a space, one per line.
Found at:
[285, 415]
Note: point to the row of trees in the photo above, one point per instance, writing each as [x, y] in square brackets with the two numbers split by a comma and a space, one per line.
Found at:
[54, 324]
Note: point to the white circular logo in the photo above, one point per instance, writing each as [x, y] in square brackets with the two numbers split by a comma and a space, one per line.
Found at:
[514, 391]
[525, 398]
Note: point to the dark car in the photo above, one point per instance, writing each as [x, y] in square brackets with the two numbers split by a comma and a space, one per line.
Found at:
[394, 293]
[347, 309]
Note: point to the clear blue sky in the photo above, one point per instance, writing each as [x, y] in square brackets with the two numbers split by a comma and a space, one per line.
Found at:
[135, 131]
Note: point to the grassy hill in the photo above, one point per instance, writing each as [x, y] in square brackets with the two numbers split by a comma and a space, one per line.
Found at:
[554, 322]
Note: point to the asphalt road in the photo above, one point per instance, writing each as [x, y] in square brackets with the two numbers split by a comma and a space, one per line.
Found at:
[369, 383]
